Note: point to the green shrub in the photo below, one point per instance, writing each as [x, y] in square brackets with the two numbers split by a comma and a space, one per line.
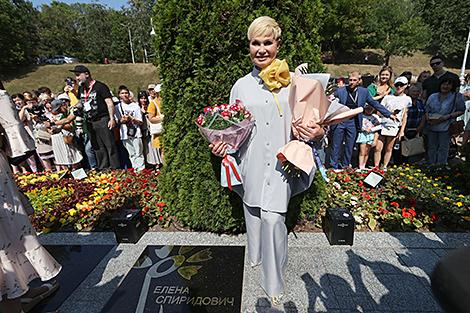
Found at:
[202, 50]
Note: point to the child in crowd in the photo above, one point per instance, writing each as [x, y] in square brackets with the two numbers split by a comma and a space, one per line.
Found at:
[368, 136]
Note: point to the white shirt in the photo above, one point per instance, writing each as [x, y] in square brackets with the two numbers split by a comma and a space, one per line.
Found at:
[393, 103]
[131, 109]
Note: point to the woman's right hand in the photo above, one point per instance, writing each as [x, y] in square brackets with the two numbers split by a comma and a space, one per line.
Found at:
[219, 148]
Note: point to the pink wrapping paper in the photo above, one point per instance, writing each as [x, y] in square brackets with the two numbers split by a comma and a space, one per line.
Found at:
[308, 102]
[235, 135]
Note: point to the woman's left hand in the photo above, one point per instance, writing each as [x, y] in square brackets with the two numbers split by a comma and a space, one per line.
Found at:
[311, 131]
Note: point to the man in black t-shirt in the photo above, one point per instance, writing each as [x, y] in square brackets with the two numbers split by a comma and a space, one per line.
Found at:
[432, 83]
[98, 109]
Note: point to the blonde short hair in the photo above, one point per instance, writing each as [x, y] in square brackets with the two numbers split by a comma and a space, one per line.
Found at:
[264, 26]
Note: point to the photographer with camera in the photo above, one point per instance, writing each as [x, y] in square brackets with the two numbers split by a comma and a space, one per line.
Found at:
[41, 131]
[129, 116]
[98, 110]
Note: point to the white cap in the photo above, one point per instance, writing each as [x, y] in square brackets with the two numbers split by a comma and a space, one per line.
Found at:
[401, 79]
[158, 88]
[63, 96]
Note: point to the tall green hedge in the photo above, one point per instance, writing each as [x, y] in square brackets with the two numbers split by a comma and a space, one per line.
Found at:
[202, 50]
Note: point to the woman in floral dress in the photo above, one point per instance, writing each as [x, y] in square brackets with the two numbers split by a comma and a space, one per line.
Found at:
[22, 257]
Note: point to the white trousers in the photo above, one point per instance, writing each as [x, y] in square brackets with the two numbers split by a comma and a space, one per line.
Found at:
[267, 245]
[135, 148]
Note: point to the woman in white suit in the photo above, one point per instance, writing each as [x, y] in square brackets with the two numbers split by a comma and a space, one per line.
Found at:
[266, 188]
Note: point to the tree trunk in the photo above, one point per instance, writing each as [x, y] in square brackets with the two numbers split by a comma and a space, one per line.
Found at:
[387, 60]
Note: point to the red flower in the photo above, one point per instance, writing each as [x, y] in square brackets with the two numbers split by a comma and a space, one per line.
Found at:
[394, 204]
[405, 213]
[412, 212]
[128, 180]
[200, 120]
[161, 204]
[160, 218]
[361, 183]
[347, 179]
[383, 211]
[207, 109]
[434, 217]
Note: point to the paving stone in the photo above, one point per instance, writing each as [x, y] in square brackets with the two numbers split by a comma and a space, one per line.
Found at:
[381, 272]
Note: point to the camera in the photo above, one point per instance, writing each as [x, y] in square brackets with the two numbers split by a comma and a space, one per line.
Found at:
[69, 81]
[131, 130]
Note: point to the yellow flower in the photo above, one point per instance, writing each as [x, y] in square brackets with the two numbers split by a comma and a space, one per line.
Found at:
[402, 174]
[419, 185]
[428, 180]
[407, 168]
[72, 212]
[449, 187]
[461, 196]
[445, 198]
[433, 195]
[459, 204]
[435, 185]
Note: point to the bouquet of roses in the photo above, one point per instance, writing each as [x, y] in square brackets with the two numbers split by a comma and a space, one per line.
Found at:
[229, 123]
[309, 104]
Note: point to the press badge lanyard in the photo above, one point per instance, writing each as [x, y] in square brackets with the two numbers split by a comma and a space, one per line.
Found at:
[87, 93]
[353, 99]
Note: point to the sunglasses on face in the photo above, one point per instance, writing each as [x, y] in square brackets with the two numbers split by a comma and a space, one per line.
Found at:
[398, 85]
[435, 63]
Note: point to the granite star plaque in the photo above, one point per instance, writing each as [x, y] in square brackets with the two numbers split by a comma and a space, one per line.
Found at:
[182, 279]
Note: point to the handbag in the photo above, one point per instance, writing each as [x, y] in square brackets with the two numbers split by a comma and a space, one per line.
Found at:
[413, 146]
[156, 128]
[455, 127]
[68, 139]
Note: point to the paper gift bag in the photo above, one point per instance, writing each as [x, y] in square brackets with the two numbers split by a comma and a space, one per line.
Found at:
[413, 146]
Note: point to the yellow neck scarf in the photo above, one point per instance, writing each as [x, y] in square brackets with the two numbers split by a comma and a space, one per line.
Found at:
[275, 75]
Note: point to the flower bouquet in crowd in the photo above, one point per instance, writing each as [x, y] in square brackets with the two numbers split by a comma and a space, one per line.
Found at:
[229, 123]
[309, 104]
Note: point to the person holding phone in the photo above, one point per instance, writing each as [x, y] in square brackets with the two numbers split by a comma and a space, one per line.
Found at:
[393, 129]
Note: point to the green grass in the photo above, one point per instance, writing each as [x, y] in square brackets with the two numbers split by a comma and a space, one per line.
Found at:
[135, 76]
[138, 76]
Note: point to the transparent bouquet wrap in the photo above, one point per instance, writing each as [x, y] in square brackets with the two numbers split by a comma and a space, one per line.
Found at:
[309, 104]
[231, 124]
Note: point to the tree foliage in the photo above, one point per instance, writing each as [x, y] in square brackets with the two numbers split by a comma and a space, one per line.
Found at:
[202, 50]
[344, 24]
[449, 22]
[397, 28]
[18, 33]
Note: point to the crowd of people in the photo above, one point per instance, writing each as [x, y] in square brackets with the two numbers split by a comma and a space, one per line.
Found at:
[434, 106]
[86, 126]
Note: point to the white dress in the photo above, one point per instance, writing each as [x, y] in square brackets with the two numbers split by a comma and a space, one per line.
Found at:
[19, 140]
[22, 257]
[64, 154]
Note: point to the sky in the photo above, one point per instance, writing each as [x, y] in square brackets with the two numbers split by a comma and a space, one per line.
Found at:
[116, 4]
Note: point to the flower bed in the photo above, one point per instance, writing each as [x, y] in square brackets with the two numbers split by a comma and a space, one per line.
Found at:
[69, 204]
[409, 198]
